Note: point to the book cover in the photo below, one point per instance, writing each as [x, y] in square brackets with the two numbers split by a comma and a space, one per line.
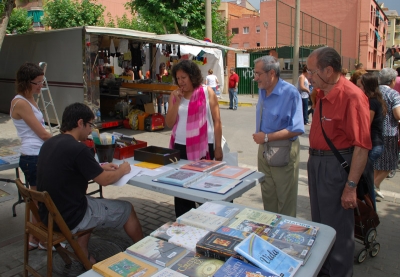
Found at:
[167, 272]
[123, 264]
[180, 177]
[180, 234]
[292, 237]
[196, 265]
[297, 227]
[237, 268]
[219, 209]
[3, 162]
[157, 251]
[267, 218]
[297, 251]
[203, 220]
[250, 226]
[215, 184]
[233, 232]
[266, 256]
[232, 172]
[217, 246]
[203, 165]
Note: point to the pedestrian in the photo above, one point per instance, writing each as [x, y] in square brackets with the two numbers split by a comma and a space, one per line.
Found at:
[233, 89]
[389, 158]
[397, 85]
[212, 81]
[192, 112]
[279, 122]
[303, 87]
[345, 120]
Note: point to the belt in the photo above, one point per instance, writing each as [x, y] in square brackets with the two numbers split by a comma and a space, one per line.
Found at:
[315, 152]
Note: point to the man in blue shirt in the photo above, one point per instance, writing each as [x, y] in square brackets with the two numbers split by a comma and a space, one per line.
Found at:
[278, 118]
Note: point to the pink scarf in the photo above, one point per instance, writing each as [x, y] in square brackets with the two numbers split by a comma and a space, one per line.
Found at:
[196, 127]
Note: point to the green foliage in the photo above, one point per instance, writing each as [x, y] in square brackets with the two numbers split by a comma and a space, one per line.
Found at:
[165, 16]
[70, 13]
[2, 6]
[19, 21]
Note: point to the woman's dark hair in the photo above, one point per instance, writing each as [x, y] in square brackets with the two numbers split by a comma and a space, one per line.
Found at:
[190, 68]
[73, 113]
[304, 70]
[356, 75]
[25, 74]
[371, 89]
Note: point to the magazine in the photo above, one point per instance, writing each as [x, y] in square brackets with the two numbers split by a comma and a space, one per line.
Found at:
[203, 165]
[232, 172]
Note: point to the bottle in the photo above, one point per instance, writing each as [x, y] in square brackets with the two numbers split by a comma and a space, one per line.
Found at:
[98, 115]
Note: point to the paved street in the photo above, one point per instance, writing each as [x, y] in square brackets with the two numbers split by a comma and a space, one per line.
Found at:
[154, 209]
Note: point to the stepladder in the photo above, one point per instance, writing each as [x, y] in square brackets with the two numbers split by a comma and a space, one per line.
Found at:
[45, 101]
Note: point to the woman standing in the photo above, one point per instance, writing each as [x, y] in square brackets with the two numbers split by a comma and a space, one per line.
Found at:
[378, 110]
[29, 122]
[212, 80]
[192, 120]
[304, 90]
[388, 160]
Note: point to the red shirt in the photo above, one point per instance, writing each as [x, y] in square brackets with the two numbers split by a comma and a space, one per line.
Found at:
[346, 113]
[233, 79]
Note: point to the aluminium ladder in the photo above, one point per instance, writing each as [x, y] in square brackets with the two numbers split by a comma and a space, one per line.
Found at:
[55, 129]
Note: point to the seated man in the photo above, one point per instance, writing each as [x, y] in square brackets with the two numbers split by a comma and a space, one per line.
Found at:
[64, 168]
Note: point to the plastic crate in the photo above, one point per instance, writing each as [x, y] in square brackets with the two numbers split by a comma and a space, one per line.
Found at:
[121, 153]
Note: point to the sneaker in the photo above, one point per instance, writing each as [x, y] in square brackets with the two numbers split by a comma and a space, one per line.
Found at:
[379, 193]
[378, 199]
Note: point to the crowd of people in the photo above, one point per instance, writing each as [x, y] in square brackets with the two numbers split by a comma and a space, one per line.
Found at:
[357, 117]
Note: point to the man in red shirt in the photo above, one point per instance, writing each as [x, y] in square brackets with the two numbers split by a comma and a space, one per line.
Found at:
[345, 120]
[233, 89]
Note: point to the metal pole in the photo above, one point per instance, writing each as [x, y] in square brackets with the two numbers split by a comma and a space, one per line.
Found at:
[208, 20]
[296, 44]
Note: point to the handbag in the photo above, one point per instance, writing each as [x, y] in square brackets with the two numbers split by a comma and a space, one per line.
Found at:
[276, 153]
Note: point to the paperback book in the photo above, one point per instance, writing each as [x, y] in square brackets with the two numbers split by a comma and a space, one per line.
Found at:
[157, 251]
[167, 272]
[237, 268]
[251, 226]
[268, 257]
[123, 264]
[232, 172]
[267, 218]
[219, 209]
[233, 232]
[196, 265]
[180, 234]
[297, 251]
[218, 246]
[203, 165]
[292, 237]
[297, 227]
[203, 220]
[181, 177]
[215, 184]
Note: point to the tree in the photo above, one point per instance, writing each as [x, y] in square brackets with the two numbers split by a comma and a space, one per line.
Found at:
[165, 16]
[6, 7]
[19, 21]
[70, 13]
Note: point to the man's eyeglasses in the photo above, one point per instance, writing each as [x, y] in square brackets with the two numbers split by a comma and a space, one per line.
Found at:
[312, 72]
[91, 125]
[38, 83]
[257, 74]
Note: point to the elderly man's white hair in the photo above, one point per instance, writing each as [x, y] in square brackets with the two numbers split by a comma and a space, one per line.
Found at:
[387, 75]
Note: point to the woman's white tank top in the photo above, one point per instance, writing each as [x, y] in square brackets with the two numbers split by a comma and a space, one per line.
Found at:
[30, 142]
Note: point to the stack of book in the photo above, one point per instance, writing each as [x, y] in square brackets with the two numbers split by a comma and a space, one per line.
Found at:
[206, 175]
[202, 243]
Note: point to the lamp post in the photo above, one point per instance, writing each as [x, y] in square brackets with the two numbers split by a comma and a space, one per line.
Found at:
[266, 33]
[184, 25]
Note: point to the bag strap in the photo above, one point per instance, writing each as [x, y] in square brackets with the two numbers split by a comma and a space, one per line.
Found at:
[338, 156]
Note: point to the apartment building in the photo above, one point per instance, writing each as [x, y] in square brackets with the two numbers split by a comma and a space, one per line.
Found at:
[393, 34]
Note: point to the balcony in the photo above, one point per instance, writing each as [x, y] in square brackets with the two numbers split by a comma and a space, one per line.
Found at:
[397, 28]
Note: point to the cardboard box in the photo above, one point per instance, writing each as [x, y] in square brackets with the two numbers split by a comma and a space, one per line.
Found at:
[149, 108]
[128, 151]
[157, 155]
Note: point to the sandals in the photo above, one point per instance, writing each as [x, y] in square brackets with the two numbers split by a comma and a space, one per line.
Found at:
[32, 246]
[42, 247]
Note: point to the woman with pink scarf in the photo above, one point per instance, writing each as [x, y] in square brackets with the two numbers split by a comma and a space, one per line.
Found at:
[189, 118]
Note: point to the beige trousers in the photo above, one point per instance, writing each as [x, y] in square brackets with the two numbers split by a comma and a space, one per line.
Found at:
[279, 189]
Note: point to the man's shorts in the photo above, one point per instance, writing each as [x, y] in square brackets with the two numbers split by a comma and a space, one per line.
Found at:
[104, 213]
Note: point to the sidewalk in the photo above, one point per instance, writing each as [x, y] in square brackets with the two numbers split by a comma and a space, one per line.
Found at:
[244, 100]
[154, 209]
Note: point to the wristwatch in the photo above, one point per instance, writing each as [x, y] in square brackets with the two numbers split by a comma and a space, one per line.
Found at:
[266, 138]
[351, 184]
